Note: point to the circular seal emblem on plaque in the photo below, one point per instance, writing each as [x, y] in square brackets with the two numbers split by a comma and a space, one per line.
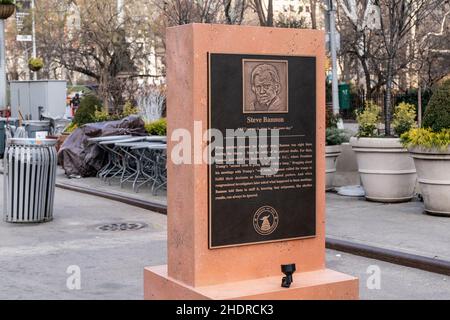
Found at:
[265, 220]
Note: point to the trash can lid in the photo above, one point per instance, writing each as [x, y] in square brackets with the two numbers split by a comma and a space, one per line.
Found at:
[32, 142]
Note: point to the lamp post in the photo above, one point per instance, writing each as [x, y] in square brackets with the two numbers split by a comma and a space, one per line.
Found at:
[335, 89]
[33, 27]
[6, 10]
[120, 12]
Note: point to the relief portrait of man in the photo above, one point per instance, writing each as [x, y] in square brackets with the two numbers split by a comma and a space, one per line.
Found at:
[265, 88]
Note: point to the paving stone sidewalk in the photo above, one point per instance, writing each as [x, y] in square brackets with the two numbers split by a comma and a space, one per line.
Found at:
[34, 259]
[402, 227]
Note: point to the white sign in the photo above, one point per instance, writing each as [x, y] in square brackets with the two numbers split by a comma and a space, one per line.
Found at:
[23, 23]
[24, 38]
[40, 135]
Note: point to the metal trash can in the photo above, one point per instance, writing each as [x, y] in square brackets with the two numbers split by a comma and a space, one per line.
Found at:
[29, 180]
[34, 126]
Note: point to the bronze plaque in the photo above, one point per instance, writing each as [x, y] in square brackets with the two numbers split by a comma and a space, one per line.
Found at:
[265, 85]
[262, 178]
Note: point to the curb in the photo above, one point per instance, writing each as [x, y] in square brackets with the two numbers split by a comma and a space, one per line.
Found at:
[152, 206]
[391, 256]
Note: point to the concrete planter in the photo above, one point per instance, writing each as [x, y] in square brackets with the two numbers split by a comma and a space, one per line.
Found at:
[433, 170]
[331, 155]
[386, 168]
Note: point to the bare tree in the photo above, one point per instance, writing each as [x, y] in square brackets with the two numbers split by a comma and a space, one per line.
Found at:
[179, 12]
[234, 11]
[265, 14]
[360, 39]
[94, 41]
[313, 13]
[380, 38]
[287, 21]
[431, 47]
[397, 19]
[16, 57]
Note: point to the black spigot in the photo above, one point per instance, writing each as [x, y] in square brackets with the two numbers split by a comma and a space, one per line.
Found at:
[288, 270]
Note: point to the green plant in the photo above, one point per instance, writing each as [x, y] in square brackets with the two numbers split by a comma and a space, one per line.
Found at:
[421, 137]
[35, 64]
[7, 2]
[158, 127]
[411, 96]
[331, 118]
[115, 117]
[86, 112]
[437, 115]
[129, 109]
[335, 136]
[101, 116]
[71, 128]
[404, 118]
[368, 119]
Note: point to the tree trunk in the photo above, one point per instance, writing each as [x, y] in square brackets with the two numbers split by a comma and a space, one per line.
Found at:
[270, 14]
[265, 19]
[103, 89]
[419, 105]
[227, 5]
[260, 11]
[313, 13]
[242, 13]
[388, 97]
[366, 78]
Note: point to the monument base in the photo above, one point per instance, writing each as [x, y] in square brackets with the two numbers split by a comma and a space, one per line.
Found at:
[323, 284]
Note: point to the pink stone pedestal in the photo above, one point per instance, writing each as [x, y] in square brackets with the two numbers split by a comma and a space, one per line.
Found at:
[324, 284]
[245, 272]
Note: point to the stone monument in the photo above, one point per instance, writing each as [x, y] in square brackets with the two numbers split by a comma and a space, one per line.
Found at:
[232, 225]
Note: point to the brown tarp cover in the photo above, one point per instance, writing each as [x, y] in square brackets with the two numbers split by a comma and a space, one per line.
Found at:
[79, 157]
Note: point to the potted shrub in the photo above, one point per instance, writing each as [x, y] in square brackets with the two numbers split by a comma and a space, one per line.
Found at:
[86, 113]
[7, 8]
[35, 64]
[430, 148]
[157, 127]
[386, 169]
[334, 138]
